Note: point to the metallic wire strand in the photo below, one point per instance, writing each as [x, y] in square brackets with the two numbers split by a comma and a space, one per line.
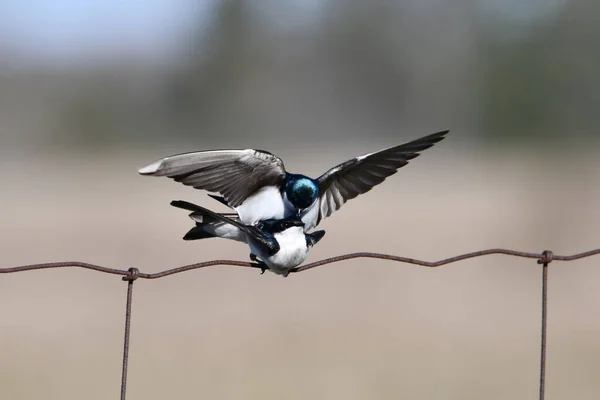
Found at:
[331, 260]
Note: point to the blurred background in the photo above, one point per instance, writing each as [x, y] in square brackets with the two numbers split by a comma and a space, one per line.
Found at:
[90, 91]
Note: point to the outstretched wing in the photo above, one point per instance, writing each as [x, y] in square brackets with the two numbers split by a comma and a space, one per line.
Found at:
[361, 174]
[235, 174]
[267, 244]
[314, 237]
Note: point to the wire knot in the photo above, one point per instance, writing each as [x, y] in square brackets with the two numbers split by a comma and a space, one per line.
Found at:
[546, 257]
[132, 275]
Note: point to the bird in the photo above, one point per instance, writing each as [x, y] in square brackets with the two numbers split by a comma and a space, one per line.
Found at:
[277, 245]
[257, 186]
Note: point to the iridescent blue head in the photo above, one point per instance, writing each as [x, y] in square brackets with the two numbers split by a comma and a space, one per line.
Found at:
[301, 191]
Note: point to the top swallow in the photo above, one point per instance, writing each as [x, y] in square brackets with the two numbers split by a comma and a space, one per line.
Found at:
[256, 185]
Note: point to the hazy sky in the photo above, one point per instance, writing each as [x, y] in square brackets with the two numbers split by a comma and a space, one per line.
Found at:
[58, 29]
[71, 30]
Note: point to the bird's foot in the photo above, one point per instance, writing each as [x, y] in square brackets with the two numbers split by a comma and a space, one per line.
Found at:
[259, 264]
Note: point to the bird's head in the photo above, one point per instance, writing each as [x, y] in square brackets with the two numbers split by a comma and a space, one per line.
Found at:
[301, 191]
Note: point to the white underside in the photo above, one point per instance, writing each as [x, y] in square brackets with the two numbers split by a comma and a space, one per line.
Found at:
[265, 204]
[292, 251]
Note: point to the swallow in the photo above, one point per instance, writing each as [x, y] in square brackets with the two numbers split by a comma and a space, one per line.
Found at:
[277, 245]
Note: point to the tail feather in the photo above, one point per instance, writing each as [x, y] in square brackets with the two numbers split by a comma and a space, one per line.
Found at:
[199, 214]
[197, 233]
[203, 218]
[186, 205]
[267, 244]
[210, 224]
[208, 213]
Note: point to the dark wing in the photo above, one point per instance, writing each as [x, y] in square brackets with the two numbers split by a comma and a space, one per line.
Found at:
[361, 174]
[314, 237]
[235, 174]
[269, 246]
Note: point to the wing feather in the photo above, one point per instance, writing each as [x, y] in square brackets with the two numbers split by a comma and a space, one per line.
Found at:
[235, 174]
[359, 175]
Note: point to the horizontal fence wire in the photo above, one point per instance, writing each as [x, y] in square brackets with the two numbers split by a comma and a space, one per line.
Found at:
[137, 274]
[132, 274]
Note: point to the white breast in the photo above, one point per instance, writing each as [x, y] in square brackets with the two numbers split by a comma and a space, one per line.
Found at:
[265, 204]
[292, 251]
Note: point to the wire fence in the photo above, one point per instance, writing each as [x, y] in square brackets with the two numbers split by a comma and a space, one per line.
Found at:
[132, 274]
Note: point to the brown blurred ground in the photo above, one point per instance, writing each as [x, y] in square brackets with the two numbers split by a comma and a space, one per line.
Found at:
[354, 330]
